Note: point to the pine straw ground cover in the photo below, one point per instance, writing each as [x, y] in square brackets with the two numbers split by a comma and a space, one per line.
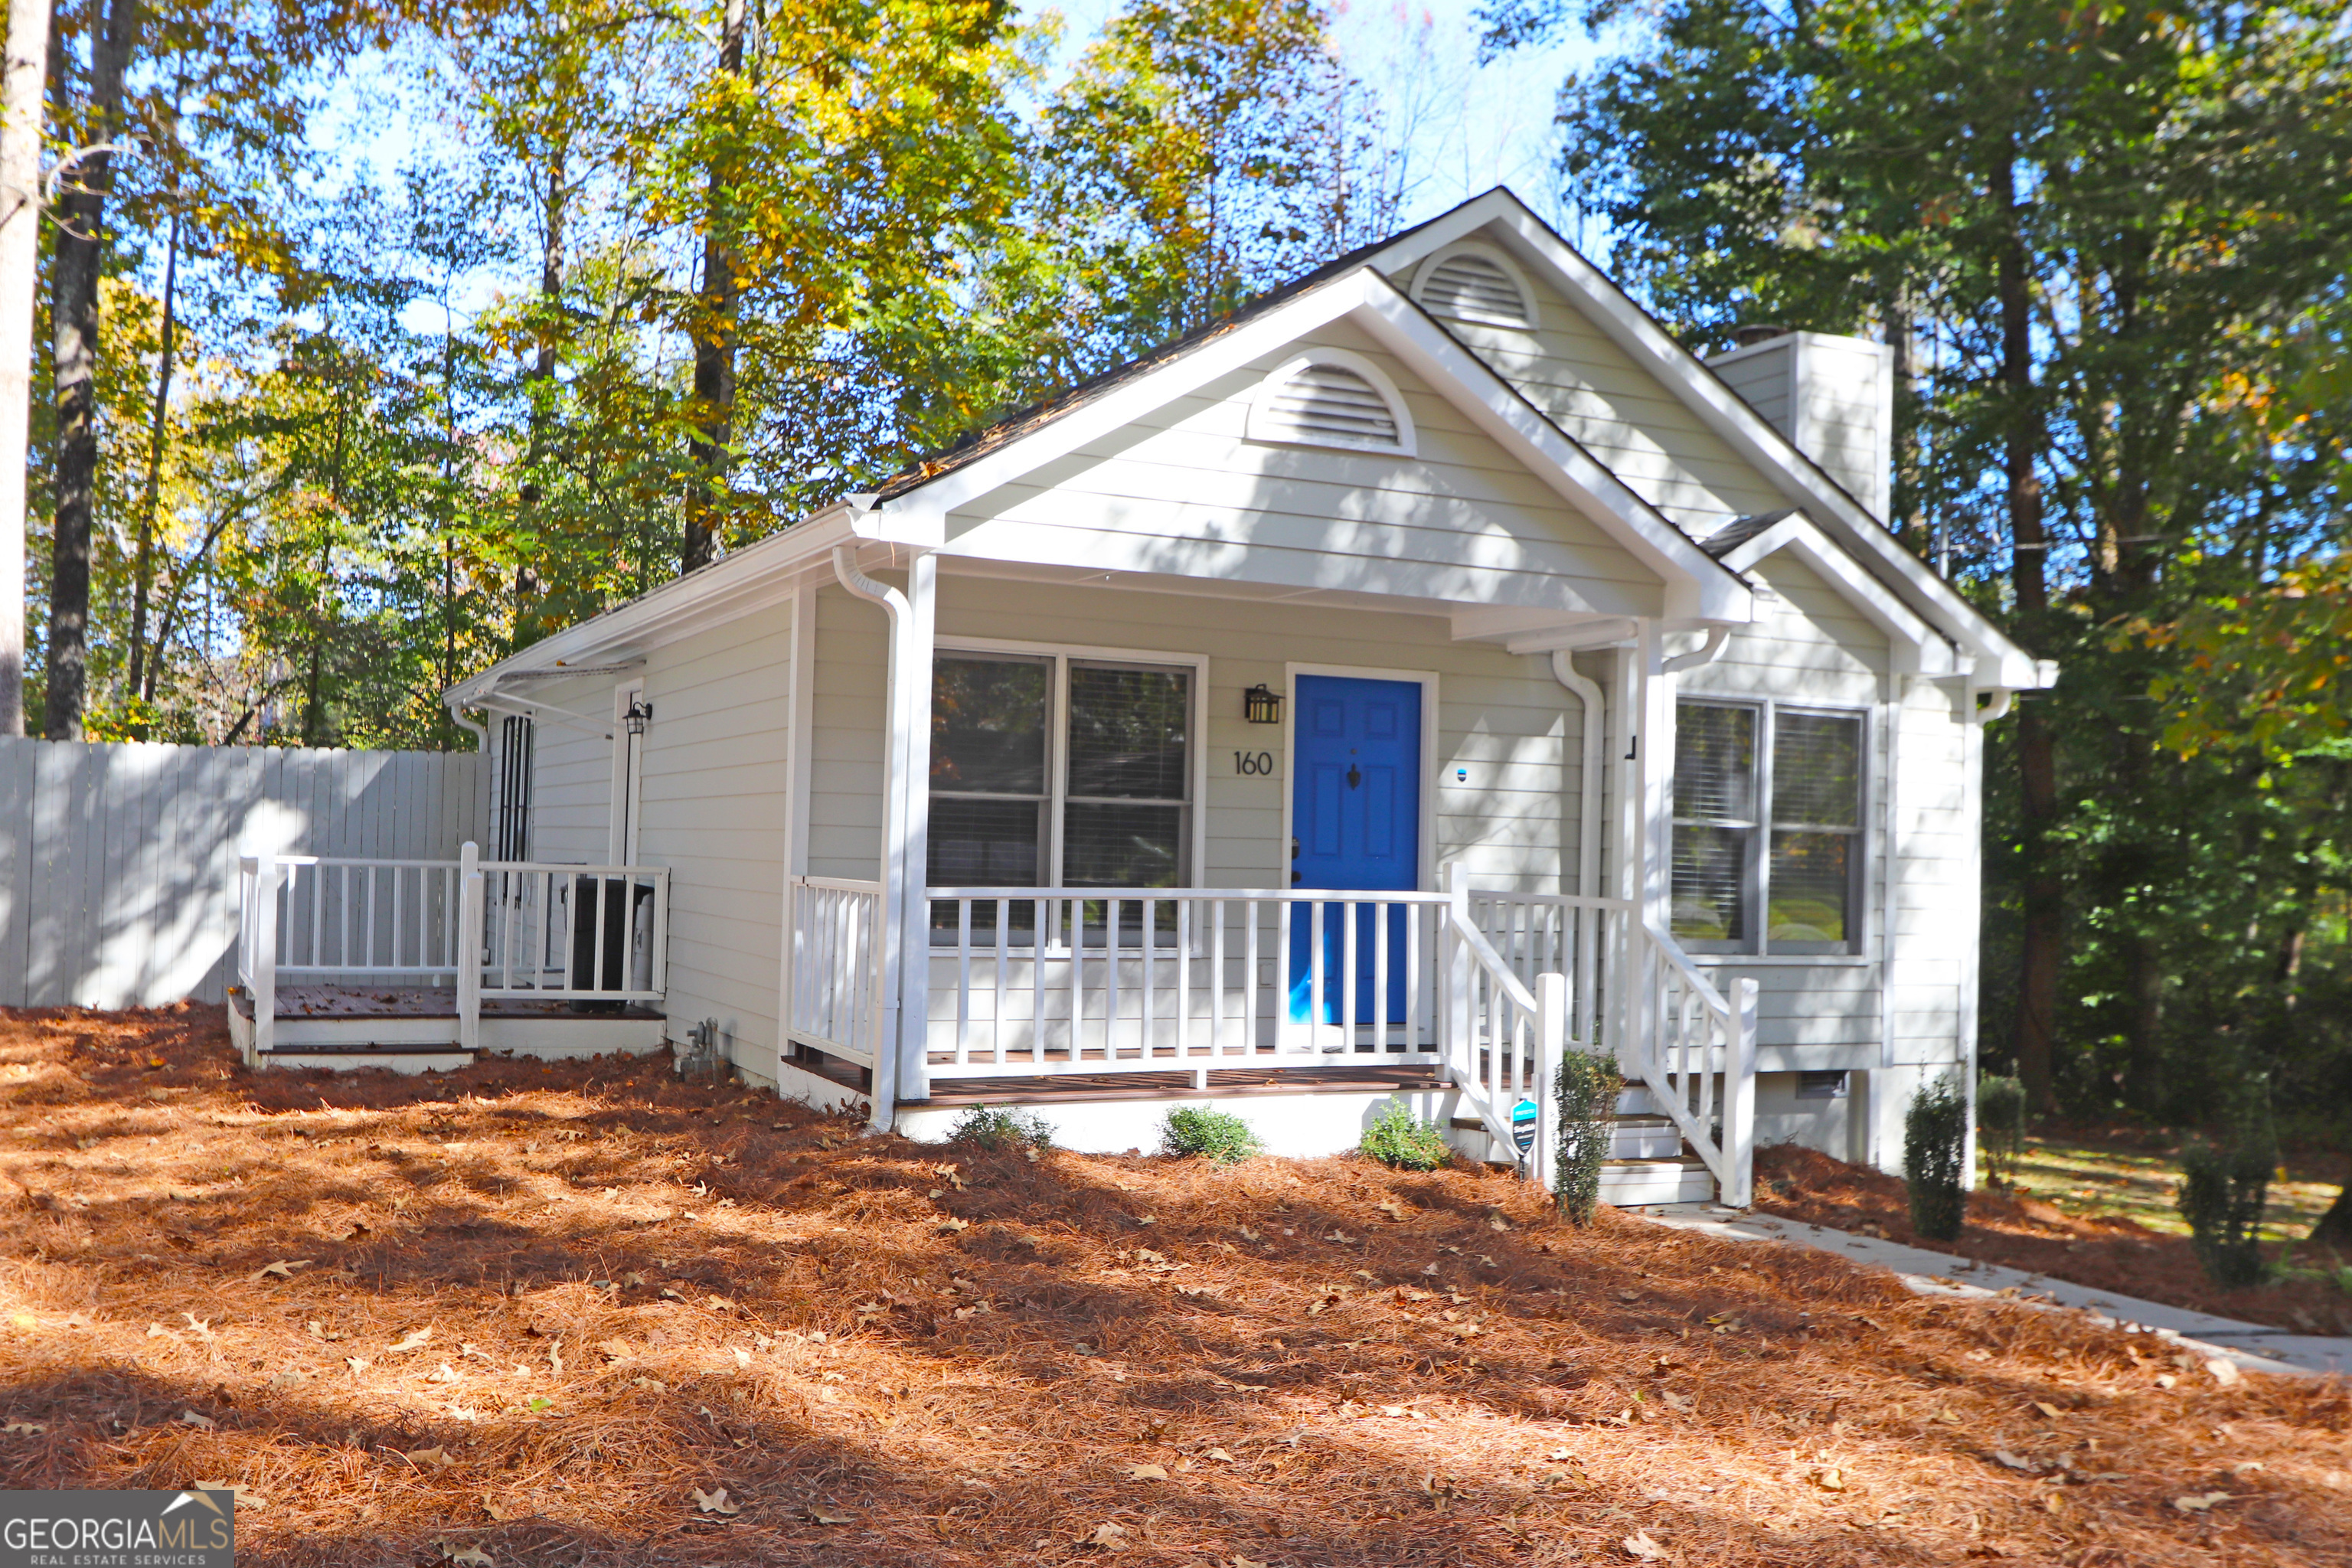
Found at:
[2106, 1251]
[589, 1315]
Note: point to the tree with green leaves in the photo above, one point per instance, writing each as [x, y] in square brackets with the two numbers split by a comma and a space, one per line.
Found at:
[2091, 235]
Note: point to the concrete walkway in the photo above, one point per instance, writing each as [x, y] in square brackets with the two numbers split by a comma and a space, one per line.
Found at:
[2248, 1345]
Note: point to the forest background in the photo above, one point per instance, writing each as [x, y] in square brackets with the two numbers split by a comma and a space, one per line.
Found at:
[313, 438]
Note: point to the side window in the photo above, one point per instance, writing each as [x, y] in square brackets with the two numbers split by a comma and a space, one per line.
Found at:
[1767, 828]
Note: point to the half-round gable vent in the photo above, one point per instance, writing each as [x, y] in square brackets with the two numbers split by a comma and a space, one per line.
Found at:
[1474, 288]
[1330, 404]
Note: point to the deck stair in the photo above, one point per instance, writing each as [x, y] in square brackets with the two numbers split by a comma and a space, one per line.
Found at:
[1650, 1162]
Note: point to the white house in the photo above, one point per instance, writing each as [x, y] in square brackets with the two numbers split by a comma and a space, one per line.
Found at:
[1432, 664]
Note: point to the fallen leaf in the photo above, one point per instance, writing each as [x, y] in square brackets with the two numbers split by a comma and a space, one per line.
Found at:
[1147, 1473]
[1220, 1457]
[2014, 1461]
[500, 1511]
[1829, 1481]
[471, 1557]
[436, 1457]
[1639, 1544]
[239, 1496]
[416, 1339]
[358, 1363]
[1628, 1295]
[281, 1270]
[950, 1227]
[1109, 1536]
[1247, 1563]
[445, 1372]
[2201, 1501]
[714, 1502]
[201, 1422]
[1392, 1209]
[818, 1516]
[1679, 1401]
[25, 1429]
[1494, 1221]
[1945, 1415]
[2246, 1469]
[2224, 1373]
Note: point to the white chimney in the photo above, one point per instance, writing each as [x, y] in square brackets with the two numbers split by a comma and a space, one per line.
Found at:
[1833, 397]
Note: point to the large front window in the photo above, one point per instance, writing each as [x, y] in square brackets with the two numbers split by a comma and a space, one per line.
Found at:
[1049, 771]
[1768, 828]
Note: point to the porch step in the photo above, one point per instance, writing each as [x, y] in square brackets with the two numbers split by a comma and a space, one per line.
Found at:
[400, 1058]
[1632, 1183]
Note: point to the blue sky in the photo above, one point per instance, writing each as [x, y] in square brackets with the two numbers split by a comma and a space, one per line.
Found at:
[1465, 126]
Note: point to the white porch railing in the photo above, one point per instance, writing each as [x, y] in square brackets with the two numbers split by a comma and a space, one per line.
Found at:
[1029, 981]
[836, 975]
[1673, 1032]
[482, 928]
[1700, 1063]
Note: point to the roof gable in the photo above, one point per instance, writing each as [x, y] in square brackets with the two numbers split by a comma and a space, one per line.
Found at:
[1500, 219]
[916, 512]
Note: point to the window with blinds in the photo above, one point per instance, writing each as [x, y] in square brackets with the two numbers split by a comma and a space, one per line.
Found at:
[1100, 799]
[1767, 828]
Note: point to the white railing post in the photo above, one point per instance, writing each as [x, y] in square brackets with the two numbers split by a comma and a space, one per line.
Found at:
[1739, 1097]
[1551, 1044]
[469, 947]
[264, 956]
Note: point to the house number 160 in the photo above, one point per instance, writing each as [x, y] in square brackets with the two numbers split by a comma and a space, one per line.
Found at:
[1253, 762]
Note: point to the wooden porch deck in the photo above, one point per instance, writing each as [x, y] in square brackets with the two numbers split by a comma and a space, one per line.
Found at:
[298, 1002]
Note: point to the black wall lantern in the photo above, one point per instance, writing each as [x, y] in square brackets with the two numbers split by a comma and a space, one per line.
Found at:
[1261, 706]
[639, 715]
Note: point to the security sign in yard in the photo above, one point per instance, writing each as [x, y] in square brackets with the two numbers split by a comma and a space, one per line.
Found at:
[192, 1528]
[1523, 1125]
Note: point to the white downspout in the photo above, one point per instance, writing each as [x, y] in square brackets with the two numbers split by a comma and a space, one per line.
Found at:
[884, 1095]
[1587, 829]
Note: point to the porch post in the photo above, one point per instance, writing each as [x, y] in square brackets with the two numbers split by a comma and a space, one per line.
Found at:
[801, 676]
[915, 938]
[262, 920]
[469, 946]
[1739, 1097]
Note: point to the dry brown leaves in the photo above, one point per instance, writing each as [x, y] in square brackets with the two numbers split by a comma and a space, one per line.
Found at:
[601, 1317]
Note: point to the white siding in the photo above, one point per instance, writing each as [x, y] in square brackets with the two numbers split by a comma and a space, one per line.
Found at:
[852, 663]
[1501, 716]
[711, 807]
[571, 773]
[1182, 493]
[1628, 419]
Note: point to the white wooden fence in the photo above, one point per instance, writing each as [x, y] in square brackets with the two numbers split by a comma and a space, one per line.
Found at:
[119, 862]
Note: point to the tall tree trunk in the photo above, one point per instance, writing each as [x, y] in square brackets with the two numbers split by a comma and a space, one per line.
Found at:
[73, 315]
[23, 86]
[2044, 892]
[714, 339]
[143, 566]
[541, 391]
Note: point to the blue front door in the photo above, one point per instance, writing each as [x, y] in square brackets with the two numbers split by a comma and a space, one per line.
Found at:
[1355, 810]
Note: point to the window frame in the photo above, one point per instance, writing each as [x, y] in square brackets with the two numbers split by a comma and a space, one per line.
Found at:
[1756, 870]
[1191, 853]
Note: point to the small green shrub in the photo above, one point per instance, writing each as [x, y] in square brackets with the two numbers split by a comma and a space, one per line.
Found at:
[1587, 1091]
[1935, 1155]
[1399, 1138]
[2000, 1126]
[1217, 1135]
[993, 1127]
[2225, 1184]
